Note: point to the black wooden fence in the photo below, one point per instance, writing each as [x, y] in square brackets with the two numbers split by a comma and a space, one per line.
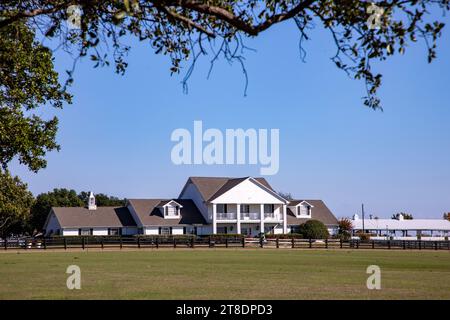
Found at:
[216, 242]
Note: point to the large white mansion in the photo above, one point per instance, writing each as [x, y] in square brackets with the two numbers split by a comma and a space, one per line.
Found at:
[206, 205]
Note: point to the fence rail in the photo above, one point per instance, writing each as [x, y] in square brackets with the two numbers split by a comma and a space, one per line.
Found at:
[216, 242]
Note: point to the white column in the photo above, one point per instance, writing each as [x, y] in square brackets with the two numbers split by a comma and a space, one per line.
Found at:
[238, 212]
[284, 218]
[214, 218]
[261, 228]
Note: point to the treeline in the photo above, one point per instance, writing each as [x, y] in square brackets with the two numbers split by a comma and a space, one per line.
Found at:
[22, 213]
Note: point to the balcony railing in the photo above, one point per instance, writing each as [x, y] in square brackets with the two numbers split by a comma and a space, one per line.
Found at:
[250, 216]
[269, 215]
[226, 216]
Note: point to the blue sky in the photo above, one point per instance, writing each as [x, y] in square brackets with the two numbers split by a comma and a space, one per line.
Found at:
[115, 137]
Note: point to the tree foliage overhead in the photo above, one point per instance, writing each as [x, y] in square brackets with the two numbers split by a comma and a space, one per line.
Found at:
[184, 31]
[27, 82]
[187, 29]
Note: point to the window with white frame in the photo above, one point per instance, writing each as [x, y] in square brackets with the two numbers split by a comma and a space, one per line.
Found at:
[304, 210]
[171, 211]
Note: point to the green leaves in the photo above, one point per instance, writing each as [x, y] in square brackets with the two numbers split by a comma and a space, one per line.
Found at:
[15, 202]
[27, 82]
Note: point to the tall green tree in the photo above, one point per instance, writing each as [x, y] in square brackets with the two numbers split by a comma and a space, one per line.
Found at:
[15, 203]
[27, 82]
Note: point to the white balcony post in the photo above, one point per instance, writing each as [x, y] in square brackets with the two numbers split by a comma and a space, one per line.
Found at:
[284, 218]
[262, 218]
[238, 213]
[214, 218]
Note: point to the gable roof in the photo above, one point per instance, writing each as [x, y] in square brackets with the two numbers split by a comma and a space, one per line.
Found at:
[149, 214]
[294, 203]
[213, 187]
[319, 212]
[80, 217]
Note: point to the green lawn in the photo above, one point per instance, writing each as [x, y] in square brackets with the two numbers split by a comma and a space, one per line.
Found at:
[225, 274]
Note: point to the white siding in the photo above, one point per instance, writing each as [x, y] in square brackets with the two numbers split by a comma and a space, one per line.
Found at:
[191, 192]
[177, 230]
[247, 192]
[70, 232]
[151, 231]
[52, 225]
[100, 232]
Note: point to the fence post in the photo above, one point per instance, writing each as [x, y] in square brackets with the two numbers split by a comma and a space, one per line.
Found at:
[209, 241]
[404, 245]
[102, 243]
[157, 242]
[357, 244]
[373, 244]
[120, 241]
[174, 242]
[261, 242]
[310, 243]
[65, 243]
[293, 243]
[435, 245]
[243, 242]
[389, 244]
[44, 243]
[278, 243]
[326, 243]
[192, 242]
[341, 243]
[6, 244]
[226, 242]
[420, 244]
[82, 243]
[139, 242]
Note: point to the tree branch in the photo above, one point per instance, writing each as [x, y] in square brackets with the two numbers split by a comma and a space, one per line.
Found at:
[189, 22]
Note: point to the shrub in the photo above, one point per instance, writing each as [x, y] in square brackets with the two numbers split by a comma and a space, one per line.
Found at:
[314, 229]
[345, 229]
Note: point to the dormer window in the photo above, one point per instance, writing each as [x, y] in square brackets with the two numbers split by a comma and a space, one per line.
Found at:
[304, 210]
[171, 210]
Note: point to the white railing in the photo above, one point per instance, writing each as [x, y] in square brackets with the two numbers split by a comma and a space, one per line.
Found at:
[226, 216]
[250, 216]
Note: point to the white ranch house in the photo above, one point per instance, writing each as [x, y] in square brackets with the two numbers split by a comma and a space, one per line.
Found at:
[206, 205]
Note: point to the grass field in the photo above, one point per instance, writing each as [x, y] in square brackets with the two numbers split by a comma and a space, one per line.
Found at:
[226, 274]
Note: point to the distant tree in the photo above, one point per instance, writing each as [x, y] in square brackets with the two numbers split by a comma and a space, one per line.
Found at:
[345, 228]
[405, 215]
[45, 201]
[15, 202]
[286, 195]
[447, 216]
[313, 229]
[102, 199]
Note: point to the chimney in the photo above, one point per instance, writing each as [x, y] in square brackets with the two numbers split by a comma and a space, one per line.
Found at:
[91, 202]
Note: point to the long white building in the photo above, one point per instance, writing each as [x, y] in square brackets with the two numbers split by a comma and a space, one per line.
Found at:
[206, 205]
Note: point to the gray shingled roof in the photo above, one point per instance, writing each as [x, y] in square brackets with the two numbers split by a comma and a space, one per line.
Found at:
[319, 212]
[77, 217]
[150, 215]
[212, 187]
